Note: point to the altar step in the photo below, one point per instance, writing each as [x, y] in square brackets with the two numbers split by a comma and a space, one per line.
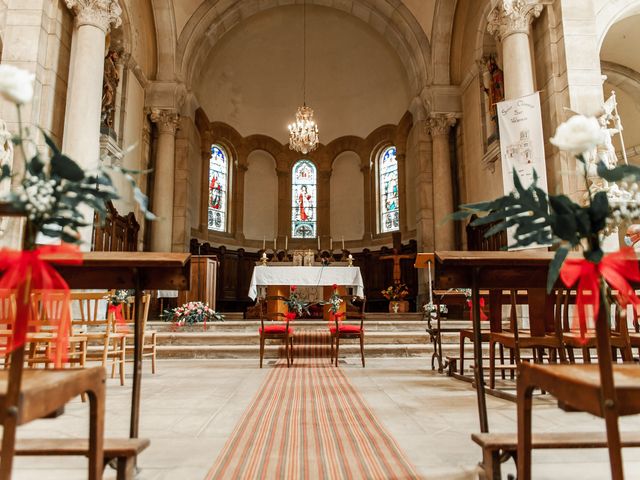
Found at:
[239, 339]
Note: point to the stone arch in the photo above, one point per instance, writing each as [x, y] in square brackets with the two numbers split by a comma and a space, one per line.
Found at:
[390, 18]
[166, 39]
[441, 41]
[612, 12]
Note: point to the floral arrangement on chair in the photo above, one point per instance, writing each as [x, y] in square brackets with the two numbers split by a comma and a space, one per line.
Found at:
[431, 309]
[192, 313]
[396, 293]
[295, 304]
[540, 218]
[52, 191]
[334, 303]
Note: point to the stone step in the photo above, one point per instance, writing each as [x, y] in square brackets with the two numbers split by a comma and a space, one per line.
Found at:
[272, 351]
[252, 338]
[253, 325]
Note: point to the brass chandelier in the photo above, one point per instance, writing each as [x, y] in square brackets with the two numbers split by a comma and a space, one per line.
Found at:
[303, 133]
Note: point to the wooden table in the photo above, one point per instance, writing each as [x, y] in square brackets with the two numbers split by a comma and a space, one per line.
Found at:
[489, 270]
[129, 270]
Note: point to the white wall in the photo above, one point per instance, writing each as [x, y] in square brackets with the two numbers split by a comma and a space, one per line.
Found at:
[260, 196]
[347, 198]
[253, 75]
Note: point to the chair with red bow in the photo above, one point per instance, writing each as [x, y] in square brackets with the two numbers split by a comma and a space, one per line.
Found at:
[544, 332]
[340, 329]
[275, 326]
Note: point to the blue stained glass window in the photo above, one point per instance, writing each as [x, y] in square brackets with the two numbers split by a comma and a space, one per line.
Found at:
[388, 188]
[303, 200]
[218, 187]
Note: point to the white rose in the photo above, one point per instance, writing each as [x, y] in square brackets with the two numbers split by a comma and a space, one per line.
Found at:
[16, 85]
[579, 134]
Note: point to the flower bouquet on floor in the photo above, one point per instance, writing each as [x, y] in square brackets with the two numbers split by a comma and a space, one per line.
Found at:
[396, 295]
[192, 313]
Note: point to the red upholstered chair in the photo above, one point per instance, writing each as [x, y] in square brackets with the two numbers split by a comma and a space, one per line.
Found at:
[275, 326]
[340, 329]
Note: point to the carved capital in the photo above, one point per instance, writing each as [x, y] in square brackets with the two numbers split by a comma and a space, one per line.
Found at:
[440, 123]
[166, 120]
[512, 16]
[104, 14]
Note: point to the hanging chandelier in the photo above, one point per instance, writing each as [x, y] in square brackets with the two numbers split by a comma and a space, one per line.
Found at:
[303, 133]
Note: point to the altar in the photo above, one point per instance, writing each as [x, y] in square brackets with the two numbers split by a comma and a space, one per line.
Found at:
[279, 279]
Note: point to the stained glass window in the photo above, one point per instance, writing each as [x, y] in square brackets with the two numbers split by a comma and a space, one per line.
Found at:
[218, 186]
[303, 200]
[388, 187]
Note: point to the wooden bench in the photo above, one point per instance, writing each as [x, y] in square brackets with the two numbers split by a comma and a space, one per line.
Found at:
[500, 447]
[123, 450]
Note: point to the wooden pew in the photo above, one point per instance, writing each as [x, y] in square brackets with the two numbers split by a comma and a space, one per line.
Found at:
[605, 390]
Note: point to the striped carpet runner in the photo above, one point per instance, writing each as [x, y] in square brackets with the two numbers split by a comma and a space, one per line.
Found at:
[308, 422]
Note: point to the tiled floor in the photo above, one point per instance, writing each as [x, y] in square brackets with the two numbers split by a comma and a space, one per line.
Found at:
[190, 407]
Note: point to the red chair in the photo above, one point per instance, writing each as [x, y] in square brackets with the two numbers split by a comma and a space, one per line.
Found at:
[355, 311]
[275, 326]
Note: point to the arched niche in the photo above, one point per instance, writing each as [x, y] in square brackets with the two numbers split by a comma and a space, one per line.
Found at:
[260, 196]
[346, 203]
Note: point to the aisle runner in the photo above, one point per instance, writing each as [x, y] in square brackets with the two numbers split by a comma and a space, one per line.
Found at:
[309, 422]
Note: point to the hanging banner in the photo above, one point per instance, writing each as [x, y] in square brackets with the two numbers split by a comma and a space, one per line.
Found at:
[521, 146]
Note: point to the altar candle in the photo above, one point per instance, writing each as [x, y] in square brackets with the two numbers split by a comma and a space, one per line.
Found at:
[331, 243]
[286, 242]
[274, 243]
[318, 242]
[343, 242]
[264, 245]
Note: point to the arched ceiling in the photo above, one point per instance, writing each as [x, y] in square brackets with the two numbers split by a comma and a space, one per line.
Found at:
[252, 78]
[621, 43]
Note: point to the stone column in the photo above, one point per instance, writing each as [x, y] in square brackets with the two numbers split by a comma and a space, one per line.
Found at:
[81, 139]
[439, 126]
[402, 187]
[94, 18]
[424, 186]
[238, 199]
[163, 178]
[509, 22]
[369, 220]
[323, 214]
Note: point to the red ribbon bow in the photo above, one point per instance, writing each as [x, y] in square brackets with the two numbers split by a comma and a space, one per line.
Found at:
[615, 268]
[290, 316]
[483, 316]
[116, 310]
[26, 271]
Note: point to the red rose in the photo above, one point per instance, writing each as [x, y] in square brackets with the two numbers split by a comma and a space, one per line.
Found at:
[335, 286]
[293, 288]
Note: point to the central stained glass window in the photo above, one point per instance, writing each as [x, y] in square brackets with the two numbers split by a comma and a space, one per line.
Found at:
[303, 200]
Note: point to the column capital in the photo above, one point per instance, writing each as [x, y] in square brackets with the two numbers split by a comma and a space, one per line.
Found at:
[166, 120]
[512, 16]
[104, 14]
[440, 123]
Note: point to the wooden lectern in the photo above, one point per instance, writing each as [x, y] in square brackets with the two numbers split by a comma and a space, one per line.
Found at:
[204, 270]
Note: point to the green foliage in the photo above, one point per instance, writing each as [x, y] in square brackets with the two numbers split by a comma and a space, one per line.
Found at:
[539, 218]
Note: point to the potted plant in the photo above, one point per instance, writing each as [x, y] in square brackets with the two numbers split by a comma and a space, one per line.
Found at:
[396, 295]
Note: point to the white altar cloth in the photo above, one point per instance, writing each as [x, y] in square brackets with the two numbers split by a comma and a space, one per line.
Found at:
[306, 276]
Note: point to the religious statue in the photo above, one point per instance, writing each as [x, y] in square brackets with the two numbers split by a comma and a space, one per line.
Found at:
[494, 87]
[109, 89]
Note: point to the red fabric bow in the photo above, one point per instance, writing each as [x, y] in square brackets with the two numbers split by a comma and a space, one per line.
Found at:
[615, 268]
[25, 272]
[483, 316]
[337, 316]
[116, 310]
[290, 316]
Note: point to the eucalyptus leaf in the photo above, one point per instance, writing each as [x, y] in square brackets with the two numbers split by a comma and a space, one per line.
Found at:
[63, 167]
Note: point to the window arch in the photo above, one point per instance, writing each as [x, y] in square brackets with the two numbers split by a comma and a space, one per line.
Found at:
[389, 200]
[303, 199]
[218, 189]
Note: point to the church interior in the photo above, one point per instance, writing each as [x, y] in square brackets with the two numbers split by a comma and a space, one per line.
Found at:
[381, 239]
